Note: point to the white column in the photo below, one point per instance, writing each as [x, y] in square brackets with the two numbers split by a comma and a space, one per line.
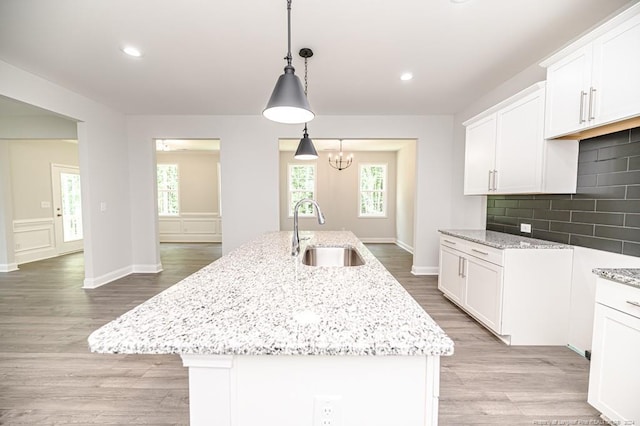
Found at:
[210, 389]
[7, 249]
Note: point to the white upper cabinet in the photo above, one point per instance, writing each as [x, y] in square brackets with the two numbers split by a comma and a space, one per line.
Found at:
[596, 80]
[506, 153]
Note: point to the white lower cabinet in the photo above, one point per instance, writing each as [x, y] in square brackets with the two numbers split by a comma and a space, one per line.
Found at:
[520, 295]
[614, 378]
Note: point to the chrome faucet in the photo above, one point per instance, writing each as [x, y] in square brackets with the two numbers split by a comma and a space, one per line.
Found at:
[295, 243]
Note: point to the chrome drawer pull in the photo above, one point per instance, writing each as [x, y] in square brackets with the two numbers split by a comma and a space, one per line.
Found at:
[481, 252]
[450, 242]
[631, 302]
[583, 95]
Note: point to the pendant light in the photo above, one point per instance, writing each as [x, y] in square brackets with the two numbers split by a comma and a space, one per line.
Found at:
[340, 162]
[306, 150]
[288, 103]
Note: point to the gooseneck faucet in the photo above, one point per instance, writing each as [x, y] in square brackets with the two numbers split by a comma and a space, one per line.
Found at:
[295, 243]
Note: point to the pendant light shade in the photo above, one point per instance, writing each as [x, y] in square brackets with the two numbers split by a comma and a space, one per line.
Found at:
[288, 103]
[306, 150]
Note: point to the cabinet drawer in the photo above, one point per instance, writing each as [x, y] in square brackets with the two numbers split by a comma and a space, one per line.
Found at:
[490, 254]
[622, 297]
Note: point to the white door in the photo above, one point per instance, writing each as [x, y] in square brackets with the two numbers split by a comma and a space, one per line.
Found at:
[450, 280]
[568, 83]
[616, 71]
[479, 156]
[67, 208]
[483, 292]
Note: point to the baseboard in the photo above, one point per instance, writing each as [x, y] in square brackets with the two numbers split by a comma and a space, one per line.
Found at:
[147, 269]
[375, 240]
[406, 247]
[190, 238]
[8, 267]
[35, 255]
[90, 283]
[424, 270]
[576, 350]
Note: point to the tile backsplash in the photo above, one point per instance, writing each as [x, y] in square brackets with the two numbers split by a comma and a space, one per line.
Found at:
[604, 214]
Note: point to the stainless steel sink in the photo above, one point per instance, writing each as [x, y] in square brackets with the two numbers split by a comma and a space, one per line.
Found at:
[331, 256]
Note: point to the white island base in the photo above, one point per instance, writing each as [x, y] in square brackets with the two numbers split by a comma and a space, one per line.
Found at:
[312, 390]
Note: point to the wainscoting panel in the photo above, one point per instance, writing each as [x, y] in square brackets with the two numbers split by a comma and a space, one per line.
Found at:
[34, 239]
[190, 228]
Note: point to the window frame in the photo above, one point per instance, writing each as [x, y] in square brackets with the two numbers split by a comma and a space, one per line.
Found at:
[290, 191]
[384, 191]
[177, 190]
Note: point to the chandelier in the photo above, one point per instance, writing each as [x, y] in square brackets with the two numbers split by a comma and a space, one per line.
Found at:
[340, 161]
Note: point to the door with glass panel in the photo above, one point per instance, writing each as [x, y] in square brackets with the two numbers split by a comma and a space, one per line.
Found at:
[67, 208]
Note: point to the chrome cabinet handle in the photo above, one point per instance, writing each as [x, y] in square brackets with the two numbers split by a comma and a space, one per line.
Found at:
[592, 99]
[495, 180]
[583, 95]
[450, 242]
[463, 274]
[459, 266]
[481, 252]
[489, 184]
[631, 302]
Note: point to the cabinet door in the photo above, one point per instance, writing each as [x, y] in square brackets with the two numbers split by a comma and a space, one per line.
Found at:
[483, 292]
[615, 374]
[479, 156]
[616, 74]
[519, 145]
[450, 279]
[568, 83]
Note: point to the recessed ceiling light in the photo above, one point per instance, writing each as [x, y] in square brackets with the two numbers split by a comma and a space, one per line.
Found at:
[406, 76]
[132, 51]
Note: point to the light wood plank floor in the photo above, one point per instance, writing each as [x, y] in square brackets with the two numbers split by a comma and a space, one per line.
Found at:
[48, 377]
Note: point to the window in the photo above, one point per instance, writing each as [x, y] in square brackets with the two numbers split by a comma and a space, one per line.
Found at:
[373, 190]
[168, 190]
[302, 184]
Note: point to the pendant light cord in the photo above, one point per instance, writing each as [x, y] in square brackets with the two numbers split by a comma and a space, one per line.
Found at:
[288, 58]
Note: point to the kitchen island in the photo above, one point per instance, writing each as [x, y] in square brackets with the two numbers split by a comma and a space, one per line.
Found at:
[271, 341]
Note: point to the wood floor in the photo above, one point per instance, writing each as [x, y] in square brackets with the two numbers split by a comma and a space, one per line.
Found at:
[48, 377]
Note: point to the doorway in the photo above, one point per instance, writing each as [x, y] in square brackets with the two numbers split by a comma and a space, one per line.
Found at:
[67, 204]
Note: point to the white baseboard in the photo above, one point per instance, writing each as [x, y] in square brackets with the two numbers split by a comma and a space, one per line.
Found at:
[190, 238]
[375, 240]
[147, 269]
[8, 267]
[90, 283]
[578, 351]
[404, 246]
[424, 270]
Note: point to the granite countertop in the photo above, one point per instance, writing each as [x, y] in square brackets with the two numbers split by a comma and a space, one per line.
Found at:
[629, 276]
[501, 240]
[260, 300]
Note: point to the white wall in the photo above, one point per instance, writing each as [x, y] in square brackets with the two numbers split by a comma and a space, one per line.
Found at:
[37, 127]
[337, 193]
[249, 161]
[104, 170]
[405, 195]
[7, 254]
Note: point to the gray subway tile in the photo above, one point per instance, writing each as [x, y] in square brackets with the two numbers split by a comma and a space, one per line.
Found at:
[587, 156]
[552, 197]
[618, 233]
[634, 163]
[491, 202]
[635, 135]
[542, 225]
[504, 220]
[506, 203]
[619, 178]
[495, 211]
[596, 243]
[633, 192]
[602, 192]
[534, 204]
[618, 151]
[618, 206]
[587, 180]
[572, 228]
[525, 213]
[632, 220]
[605, 166]
[558, 237]
[598, 218]
[584, 205]
[559, 215]
[515, 230]
[631, 249]
[494, 227]
[610, 139]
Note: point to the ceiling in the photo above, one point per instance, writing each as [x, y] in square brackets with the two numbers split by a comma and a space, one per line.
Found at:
[348, 145]
[215, 57]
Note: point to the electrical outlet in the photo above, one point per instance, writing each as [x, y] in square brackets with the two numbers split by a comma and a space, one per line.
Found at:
[525, 227]
[327, 410]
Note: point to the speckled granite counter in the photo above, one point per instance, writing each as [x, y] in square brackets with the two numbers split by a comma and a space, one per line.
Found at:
[501, 240]
[259, 300]
[629, 276]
